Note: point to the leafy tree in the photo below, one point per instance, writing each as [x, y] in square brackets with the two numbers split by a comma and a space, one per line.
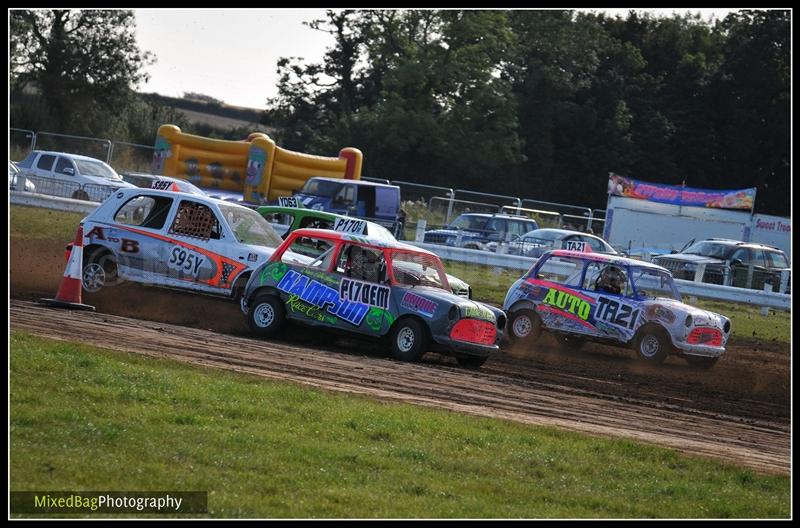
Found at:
[543, 104]
[84, 63]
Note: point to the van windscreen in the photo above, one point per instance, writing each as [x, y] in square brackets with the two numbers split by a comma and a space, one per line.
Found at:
[324, 188]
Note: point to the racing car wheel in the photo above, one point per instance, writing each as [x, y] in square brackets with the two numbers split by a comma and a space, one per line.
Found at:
[266, 315]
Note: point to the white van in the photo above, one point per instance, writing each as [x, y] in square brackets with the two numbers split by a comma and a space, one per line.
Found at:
[71, 175]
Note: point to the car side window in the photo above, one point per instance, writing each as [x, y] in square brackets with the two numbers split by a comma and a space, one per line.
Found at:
[318, 249]
[45, 162]
[562, 270]
[758, 258]
[595, 244]
[144, 211]
[196, 220]
[315, 223]
[362, 263]
[741, 254]
[776, 260]
[65, 163]
[516, 228]
[497, 226]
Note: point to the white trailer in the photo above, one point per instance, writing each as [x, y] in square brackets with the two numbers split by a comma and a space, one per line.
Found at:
[642, 227]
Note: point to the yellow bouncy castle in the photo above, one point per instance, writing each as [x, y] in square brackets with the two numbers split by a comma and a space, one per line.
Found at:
[256, 166]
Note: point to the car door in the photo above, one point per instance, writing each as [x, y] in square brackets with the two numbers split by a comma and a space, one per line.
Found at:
[191, 254]
[363, 283]
[136, 236]
[614, 315]
[42, 170]
[308, 288]
[739, 261]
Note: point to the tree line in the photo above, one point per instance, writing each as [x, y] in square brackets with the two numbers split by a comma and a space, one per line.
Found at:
[540, 104]
[544, 104]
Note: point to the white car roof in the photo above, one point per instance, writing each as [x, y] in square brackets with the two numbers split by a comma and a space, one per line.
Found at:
[69, 155]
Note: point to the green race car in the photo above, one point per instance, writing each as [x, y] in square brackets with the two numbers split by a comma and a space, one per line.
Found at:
[287, 219]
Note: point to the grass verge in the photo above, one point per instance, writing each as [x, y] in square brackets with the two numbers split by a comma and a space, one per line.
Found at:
[84, 418]
[37, 222]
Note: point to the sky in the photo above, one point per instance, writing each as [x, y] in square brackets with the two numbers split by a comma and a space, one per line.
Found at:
[232, 54]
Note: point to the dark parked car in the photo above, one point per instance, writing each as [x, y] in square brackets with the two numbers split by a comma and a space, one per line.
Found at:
[728, 262]
[478, 230]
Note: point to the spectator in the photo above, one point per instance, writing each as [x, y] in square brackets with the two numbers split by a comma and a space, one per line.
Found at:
[400, 224]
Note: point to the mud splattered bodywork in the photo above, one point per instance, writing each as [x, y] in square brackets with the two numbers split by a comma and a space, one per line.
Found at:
[566, 292]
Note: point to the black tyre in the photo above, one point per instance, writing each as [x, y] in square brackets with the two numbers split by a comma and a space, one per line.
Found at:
[471, 362]
[266, 315]
[99, 271]
[80, 194]
[409, 340]
[652, 345]
[524, 326]
[701, 362]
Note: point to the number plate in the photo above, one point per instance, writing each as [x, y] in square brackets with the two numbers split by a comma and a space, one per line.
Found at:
[287, 201]
[350, 225]
[575, 245]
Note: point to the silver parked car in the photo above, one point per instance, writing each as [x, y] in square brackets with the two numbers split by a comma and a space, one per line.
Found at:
[12, 179]
[535, 243]
[71, 175]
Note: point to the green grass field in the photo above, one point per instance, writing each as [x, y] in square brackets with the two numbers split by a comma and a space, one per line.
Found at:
[488, 284]
[35, 222]
[84, 419]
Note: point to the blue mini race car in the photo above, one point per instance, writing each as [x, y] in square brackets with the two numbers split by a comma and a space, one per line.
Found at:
[582, 296]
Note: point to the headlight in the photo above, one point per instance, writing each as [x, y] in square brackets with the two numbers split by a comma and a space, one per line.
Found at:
[492, 246]
[450, 241]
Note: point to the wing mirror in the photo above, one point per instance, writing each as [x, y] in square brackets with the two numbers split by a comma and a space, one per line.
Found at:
[69, 170]
[736, 262]
[673, 251]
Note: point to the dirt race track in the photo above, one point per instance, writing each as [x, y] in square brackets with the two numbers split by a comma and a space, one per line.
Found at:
[739, 411]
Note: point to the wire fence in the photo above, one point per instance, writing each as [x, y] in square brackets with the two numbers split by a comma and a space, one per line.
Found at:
[62, 188]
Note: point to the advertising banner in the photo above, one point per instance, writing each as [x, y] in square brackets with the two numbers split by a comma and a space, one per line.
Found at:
[679, 195]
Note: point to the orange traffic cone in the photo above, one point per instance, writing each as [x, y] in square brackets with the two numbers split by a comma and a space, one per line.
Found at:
[69, 291]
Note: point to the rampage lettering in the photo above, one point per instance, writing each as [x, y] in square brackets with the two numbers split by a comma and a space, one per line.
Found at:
[322, 296]
[616, 313]
[364, 292]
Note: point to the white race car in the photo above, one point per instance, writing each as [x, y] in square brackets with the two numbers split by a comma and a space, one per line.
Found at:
[174, 239]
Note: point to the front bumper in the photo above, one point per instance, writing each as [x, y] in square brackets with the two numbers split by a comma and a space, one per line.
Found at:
[685, 349]
[464, 348]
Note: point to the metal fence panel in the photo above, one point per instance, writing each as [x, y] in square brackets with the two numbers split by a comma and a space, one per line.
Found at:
[20, 143]
[85, 146]
[131, 157]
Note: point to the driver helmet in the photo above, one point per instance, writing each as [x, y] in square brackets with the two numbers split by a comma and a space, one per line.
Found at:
[612, 279]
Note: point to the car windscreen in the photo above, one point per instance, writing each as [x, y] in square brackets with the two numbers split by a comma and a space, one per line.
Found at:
[96, 168]
[418, 269]
[324, 188]
[469, 222]
[708, 249]
[652, 284]
[250, 227]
